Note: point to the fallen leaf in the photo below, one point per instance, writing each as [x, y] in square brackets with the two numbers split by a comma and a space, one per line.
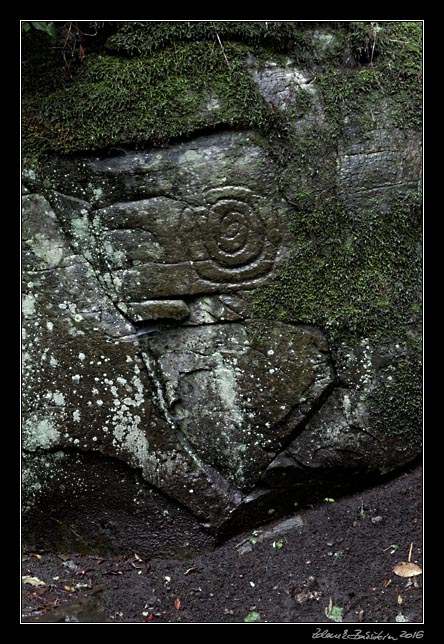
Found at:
[406, 569]
[399, 599]
[252, 617]
[33, 581]
[70, 589]
[83, 571]
[37, 556]
[177, 603]
[330, 606]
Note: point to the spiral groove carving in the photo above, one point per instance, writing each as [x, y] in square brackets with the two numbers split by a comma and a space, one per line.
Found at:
[234, 240]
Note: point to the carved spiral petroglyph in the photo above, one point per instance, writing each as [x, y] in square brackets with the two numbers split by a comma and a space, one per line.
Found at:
[234, 236]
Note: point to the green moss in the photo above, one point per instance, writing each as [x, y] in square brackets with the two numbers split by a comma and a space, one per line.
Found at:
[350, 276]
[136, 38]
[396, 403]
[130, 100]
[155, 85]
[387, 70]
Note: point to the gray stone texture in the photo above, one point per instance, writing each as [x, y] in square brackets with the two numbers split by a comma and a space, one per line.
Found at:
[153, 398]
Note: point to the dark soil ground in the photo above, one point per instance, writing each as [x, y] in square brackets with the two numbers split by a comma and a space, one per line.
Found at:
[338, 555]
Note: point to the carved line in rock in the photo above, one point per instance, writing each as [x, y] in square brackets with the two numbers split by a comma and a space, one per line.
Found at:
[214, 477]
[236, 242]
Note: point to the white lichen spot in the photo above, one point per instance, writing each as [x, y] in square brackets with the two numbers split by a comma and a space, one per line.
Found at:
[270, 352]
[99, 402]
[58, 398]
[53, 361]
[46, 250]
[76, 378]
[76, 416]
[346, 405]
[82, 357]
[28, 306]
[39, 433]
[97, 193]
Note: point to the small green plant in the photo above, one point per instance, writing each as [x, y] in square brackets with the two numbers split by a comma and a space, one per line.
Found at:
[46, 27]
[334, 613]
[393, 548]
[328, 499]
[339, 554]
[401, 618]
[253, 540]
[278, 544]
[252, 617]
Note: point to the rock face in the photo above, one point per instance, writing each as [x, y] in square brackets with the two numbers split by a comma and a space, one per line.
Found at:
[163, 408]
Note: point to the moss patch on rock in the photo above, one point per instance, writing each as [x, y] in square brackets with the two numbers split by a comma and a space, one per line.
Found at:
[152, 100]
[387, 70]
[350, 277]
[155, 81]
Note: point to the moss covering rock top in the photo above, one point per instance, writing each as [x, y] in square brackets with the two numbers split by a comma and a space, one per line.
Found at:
[152, 82]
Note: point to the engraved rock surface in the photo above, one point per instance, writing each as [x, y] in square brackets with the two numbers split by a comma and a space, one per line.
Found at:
[210, 329]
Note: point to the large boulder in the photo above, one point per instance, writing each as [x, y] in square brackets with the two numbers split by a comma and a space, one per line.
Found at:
[221, 328]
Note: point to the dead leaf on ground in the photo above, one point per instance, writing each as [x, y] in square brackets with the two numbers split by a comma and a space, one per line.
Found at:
[406, 569]
[98, 560]
[177, 603]
[33, 581]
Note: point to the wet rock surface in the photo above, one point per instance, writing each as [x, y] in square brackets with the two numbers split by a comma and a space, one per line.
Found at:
[163, 407]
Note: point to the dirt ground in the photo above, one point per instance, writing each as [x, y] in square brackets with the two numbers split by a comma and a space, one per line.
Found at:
[322, 565]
